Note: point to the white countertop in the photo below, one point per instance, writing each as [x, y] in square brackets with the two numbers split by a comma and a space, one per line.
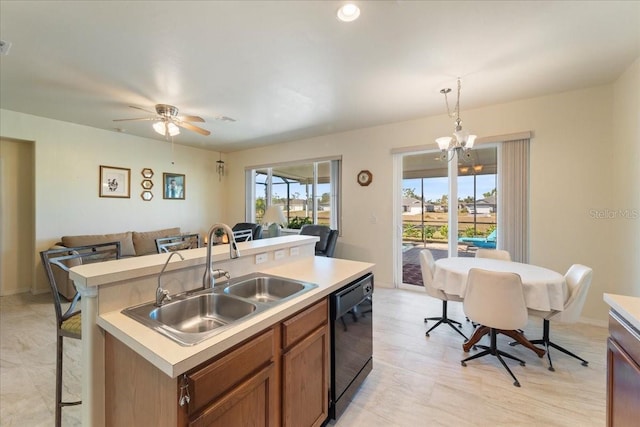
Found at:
[96, 274]
[173, 359]
[628, 307]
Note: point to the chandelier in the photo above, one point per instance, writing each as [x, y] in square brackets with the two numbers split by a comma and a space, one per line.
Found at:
[461, 142]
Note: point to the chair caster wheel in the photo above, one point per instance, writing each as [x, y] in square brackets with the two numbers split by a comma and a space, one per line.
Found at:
[522, 363]
[513, 343]
[426, 334]
[474, 347]
[552, 369]
[463, 363]
[585, 363]
[516, 383]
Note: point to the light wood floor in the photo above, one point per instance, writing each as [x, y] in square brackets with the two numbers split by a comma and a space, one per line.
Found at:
[416, 381]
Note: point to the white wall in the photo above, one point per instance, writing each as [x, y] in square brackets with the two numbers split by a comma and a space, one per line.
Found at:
[626, 185]
[571, 166]
[67, 161]
[16, 224]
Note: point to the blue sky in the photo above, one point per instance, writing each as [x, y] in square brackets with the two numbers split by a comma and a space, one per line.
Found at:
[434, 188]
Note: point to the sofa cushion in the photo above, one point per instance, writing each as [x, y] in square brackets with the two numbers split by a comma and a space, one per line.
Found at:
[125, 239]
[145, 242]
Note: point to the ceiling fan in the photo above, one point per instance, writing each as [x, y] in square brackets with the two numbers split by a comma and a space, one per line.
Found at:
[167, 121]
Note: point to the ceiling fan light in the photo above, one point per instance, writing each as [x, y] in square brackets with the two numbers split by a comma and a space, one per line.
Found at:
[164, 128]
[444, 142]
[173, 129]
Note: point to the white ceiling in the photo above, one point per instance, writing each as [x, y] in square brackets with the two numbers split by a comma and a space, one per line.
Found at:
[287, 70]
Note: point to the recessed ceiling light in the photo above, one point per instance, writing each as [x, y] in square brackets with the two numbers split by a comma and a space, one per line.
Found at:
[349, 12]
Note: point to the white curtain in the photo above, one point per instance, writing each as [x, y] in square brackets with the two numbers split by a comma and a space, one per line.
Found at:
[513, 199]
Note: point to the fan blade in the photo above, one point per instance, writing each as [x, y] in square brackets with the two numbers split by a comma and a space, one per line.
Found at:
[191, 119]
[193, 128]
[135, 120]
[142, 109]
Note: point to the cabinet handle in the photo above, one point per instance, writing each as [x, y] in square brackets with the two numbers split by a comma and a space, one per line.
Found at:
[184, 391]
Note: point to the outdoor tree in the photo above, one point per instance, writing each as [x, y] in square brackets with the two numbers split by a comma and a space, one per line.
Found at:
[410, 193]
[489, 193]
[325, 198]
[260, 206]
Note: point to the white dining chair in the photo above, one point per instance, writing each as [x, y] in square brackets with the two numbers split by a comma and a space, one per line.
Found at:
[495, 300]
[493, 254]
[427, 266]
[578, 279]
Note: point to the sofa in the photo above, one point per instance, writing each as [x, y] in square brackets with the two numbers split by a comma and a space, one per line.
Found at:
[132, 243]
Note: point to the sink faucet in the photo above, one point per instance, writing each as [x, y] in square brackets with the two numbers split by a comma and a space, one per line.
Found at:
[208, 280]
[163, 294]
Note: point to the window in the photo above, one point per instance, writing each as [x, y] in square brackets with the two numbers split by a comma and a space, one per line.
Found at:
[308, 192]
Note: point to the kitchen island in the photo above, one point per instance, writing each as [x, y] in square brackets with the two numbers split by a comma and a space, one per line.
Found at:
[109, 287]
[623, 360]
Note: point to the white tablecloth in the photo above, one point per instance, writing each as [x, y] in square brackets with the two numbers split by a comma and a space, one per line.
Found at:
[544, 289]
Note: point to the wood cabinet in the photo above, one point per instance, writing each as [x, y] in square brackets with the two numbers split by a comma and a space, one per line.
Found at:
[623, 372]
[279, 376]
[240, 385]
[305, 367]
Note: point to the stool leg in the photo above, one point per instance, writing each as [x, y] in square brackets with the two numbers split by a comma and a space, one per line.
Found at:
[59, 382]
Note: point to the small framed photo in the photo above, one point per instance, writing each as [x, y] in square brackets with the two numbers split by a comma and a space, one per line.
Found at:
[115, 182]
[173, 185]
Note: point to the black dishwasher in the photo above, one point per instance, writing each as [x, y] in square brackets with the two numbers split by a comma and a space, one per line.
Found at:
[351, 341]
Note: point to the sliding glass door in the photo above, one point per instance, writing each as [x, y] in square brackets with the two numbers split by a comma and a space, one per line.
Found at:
[427, 211]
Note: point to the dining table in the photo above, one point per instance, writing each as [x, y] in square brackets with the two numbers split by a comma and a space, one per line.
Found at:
[544, 289]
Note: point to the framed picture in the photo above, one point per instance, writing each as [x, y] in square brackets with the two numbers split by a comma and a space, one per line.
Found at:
[115, 182]
[173, 185]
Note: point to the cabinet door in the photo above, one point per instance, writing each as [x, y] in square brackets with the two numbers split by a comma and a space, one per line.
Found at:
[305, 381]
[251, 403]
[623, 387]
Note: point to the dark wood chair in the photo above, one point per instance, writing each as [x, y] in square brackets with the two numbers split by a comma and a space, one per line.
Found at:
[69, 322]
[177, 243]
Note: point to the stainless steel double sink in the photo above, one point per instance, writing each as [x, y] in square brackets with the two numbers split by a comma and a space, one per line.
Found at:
[193, 317]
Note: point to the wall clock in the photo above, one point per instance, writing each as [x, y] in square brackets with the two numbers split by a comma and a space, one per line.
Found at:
[364, 178]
